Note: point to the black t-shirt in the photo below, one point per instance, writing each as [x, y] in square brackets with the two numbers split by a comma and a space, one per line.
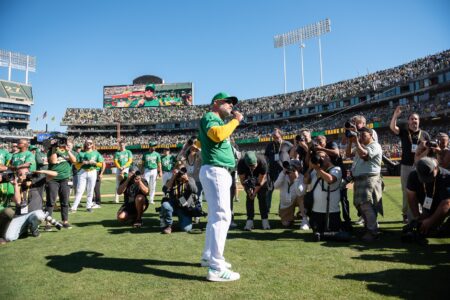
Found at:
[32, 194]
[184, 190]
[441, 190]
[409, 138]
[273, 150]
[261, 168]
[132, 190]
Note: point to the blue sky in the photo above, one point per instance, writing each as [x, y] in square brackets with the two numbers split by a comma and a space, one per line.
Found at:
[218, 45]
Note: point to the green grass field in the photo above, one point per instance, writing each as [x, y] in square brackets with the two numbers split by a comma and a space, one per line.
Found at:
[100, 258]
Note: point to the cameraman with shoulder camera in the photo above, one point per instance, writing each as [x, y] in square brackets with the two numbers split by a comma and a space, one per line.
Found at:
[326, 179]
[252, 171]
[428, 191]
[410, 137]
[134, 187]
[367, 181]
[60, 160]
[181, 200]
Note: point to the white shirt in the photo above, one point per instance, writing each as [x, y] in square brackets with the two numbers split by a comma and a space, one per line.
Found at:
[289, 192]
[370, 166]
[320, 192]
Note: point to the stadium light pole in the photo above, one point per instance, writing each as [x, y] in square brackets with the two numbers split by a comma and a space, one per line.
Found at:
[284, 68]
[18, 61]
[301, 58]
[298, 36]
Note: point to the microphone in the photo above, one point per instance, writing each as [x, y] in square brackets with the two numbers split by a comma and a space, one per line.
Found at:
[243, 122]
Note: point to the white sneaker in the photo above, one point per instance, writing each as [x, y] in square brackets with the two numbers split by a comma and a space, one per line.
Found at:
[265, 224]
[152, 202]
[360, 221]
[205, 263]
[249, 225]
[225, 275]
[95, 206]
[304, 225]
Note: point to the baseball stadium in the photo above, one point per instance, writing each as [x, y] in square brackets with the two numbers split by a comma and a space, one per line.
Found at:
[335, 190]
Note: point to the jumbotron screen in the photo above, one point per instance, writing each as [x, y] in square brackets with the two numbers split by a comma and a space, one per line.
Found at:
[150, 95]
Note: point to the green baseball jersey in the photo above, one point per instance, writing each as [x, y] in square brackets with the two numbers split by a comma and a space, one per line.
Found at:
[87, 156]
[6, 194]
[168, 162]
[215, 154]
[122, 157]
[21, 158]
[62, 165]
[5, 157]
[41, 160]
[151, 160]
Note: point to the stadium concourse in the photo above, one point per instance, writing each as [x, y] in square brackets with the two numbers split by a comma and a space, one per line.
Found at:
[422, 85]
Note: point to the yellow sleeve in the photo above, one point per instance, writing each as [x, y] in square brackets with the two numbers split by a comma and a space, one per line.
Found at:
[130, 160]
[78, 165]
[99, 164]
[220, 133]
[116, 163]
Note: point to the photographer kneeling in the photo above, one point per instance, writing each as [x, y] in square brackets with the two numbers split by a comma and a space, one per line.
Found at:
[427, 188]
[252, 171]
[135, 190]
[326, 179]
[180, 199]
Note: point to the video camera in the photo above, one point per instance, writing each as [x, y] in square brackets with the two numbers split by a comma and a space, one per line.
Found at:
[432, 144]
[350, 129]
[55, 140]
[7, 176]
[250, 184]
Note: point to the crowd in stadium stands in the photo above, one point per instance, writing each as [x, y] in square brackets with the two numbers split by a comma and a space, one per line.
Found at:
[340, 90]
[16, 132]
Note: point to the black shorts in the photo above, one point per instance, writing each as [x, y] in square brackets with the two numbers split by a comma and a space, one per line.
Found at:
[130, 207]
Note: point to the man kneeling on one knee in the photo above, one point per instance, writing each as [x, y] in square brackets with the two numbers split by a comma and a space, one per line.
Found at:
[180, 196]
[135, 190]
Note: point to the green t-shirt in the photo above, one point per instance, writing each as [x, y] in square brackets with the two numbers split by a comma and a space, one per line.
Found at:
[123, 156]
[6, 194]
[21, 158]
[41, 161]
[5, 157]
[91, 155]
[151, 160]
[168, 162]
[215, 154]
[62, 166]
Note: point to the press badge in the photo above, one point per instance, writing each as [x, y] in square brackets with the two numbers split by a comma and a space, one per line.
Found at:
[427, 203]
[413, 148]
[277, 157]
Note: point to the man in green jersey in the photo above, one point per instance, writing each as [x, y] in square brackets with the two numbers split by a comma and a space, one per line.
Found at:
[5, 157]
[217, 162]
[23, 158]
[89, 159]
[168, 162]
[152, 169]
[122, 160]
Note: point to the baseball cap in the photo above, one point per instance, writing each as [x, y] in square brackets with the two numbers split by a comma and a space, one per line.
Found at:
[250, 158]
[32, 147]
[292, 165]
[425, 167]
[224, 96]
[150, 87]
[133, 169]
[78, 146]
[153, 144]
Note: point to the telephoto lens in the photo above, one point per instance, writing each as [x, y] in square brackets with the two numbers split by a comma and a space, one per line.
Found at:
[55, 223]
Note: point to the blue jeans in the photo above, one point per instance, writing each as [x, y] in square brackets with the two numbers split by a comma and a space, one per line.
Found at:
[168, 209]
[20, 224]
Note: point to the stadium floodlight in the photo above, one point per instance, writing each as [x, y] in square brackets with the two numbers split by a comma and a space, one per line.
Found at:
[18, 61]
[298, 36]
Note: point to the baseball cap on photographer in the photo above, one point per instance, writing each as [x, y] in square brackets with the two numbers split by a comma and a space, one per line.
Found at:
[250, 158]
[425, 169]
[224, 96]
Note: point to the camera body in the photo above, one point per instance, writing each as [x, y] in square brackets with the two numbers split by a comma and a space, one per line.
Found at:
[316, 159]
[411, 233]
[432, 144]
[299, 138]
[192, 140]
[7, 176]
[250, 184]
[55, 140]
[350, 129]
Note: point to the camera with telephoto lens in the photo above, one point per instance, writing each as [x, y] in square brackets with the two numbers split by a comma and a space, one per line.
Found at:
[52, 221]
[7, 176]
[299, 138]
[181, 171]
[350, 129]
[31, 175]
[432, 144]
[192, 140]
[55, 140]
[250, 184]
